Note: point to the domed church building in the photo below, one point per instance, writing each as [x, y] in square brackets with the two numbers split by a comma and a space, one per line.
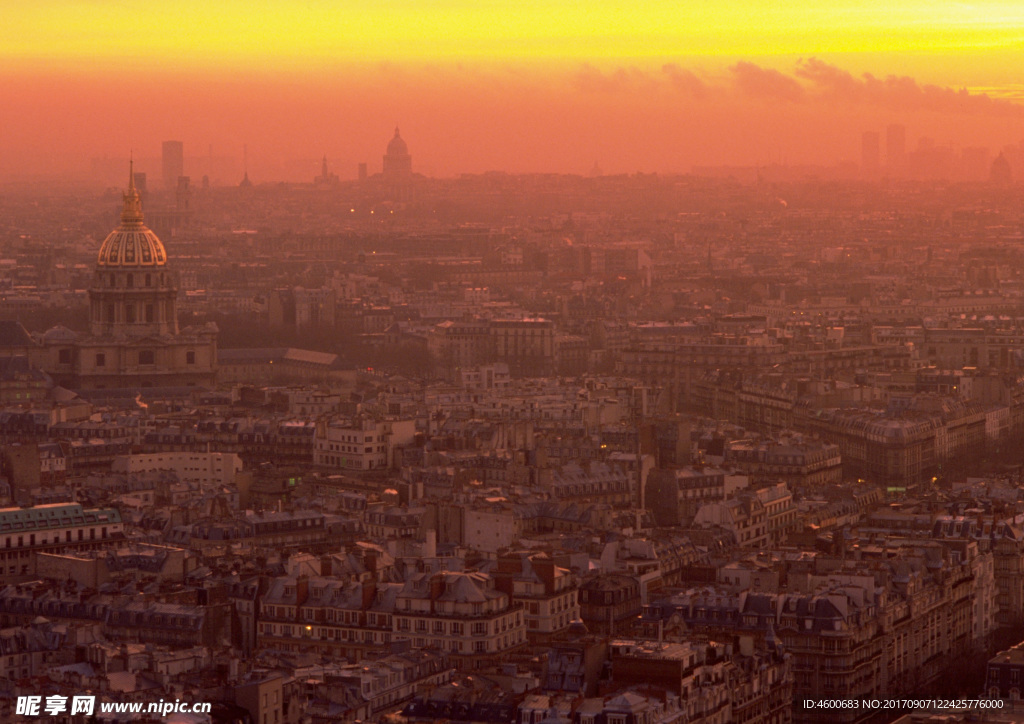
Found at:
[133, 339]
[397, 161]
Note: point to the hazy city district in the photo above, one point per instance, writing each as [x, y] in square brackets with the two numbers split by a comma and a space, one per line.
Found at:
[743, 445]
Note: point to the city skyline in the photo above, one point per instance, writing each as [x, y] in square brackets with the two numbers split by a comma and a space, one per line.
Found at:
[883, 155]
[574, 363]
[538, 90]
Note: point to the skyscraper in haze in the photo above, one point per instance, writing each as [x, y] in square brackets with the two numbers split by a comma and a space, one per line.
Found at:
[895, 146]
[870, 154]
[173, 163]
[1000, 173]
[139, 177]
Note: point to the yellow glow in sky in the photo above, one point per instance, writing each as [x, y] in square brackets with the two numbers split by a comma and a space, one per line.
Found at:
[290, 33]
[562, 82]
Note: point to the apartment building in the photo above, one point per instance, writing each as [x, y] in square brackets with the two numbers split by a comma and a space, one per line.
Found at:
[547, 592]
[52, 528]
[361, 444]
[460, 613]
[798, 461]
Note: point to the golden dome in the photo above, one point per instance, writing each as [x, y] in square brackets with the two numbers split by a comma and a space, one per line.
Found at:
[131, 244]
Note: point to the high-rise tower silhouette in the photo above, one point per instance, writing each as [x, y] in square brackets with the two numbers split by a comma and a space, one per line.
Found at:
[173, 164]
[870, 154]
[895, 148]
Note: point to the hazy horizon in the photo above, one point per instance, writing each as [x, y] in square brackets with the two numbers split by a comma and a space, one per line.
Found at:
[477, 89]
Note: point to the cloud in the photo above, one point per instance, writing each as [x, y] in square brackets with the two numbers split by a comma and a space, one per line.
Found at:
[900, 93]
[756, 81]
[686, 81]
[830, 79]
[593, 80]
[810, 82]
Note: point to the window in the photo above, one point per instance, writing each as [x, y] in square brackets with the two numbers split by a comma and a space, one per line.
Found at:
[149, 312]
[101, 359]
[190, 358]
[129, 313]
[146, 357]
[64, 357]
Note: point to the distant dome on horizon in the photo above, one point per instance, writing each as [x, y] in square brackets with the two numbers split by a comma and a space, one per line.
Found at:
[397, 161]
[397, 147]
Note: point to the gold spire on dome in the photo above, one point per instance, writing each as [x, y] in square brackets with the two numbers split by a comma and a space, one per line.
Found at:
[131, 214]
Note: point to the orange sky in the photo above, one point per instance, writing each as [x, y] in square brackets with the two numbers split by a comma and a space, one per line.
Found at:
[479, 85]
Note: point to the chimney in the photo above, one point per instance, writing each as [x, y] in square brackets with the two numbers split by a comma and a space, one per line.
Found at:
[544, 567]
[369, 591]
[301, 591]
[436, 586]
